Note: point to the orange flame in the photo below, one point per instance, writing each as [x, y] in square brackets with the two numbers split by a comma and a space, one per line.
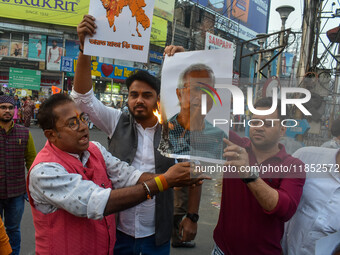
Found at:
[158, 115]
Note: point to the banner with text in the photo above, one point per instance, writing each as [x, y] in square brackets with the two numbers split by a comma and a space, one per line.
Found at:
[46, 11]
[122, 33]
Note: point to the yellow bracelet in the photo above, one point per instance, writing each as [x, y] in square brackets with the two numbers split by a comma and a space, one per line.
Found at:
[159, 184]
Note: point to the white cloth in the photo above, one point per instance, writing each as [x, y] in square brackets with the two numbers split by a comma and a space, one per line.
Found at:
[138, 221]
[52, 187]
[334, 143]
[54, 54]
[318, 212]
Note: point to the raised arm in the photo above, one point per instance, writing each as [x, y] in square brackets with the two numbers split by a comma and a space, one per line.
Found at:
[82, 77]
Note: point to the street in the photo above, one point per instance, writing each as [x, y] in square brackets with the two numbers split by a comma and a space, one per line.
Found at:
[208, 209]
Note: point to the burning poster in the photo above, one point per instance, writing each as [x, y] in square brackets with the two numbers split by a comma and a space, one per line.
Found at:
[194, 100]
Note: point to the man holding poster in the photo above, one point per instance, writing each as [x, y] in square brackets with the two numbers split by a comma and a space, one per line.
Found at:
[134, 138]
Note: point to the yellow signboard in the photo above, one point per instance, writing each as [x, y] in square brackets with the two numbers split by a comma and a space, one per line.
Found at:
[159, 31]
[164, 9]
[60, 12]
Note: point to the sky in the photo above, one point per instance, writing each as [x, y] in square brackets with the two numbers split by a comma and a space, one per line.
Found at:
[294, 20]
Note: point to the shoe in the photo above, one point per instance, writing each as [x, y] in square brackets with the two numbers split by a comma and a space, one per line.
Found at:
[190, 244]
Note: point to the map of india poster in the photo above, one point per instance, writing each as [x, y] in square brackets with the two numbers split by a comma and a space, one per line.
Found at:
[123, 29]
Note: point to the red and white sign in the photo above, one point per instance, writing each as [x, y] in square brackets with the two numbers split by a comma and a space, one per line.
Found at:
[215, 42]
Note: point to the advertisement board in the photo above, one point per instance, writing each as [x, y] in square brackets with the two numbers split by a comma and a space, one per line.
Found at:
[213, 42]
[24, 78]
[4, 47]
[71, 48]
[159, 31]
[54, 53]
[164, 9]
[244, 19]
[49, 11]
[37, 47]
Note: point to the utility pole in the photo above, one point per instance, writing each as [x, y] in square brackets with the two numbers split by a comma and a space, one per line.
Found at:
[310, 13]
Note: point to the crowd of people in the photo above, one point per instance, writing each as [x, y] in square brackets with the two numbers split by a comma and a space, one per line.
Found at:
[89, 200]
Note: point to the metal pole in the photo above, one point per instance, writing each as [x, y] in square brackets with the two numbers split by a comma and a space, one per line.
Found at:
[258, 74]
[278, 65]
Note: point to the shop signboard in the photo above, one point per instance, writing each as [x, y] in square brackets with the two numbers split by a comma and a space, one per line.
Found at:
[37, 47]
[164, 9]
[49, 11]
[159, 31]
[24, 78]
[100, 69]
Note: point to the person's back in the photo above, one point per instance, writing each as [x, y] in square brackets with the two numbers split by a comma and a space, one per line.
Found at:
[317, 213]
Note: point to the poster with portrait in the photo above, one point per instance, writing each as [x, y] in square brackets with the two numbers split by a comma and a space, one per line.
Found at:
[194, 100]
[54, 53]
[16, 49]
[37, 47]
[123, 29]
[4, 47]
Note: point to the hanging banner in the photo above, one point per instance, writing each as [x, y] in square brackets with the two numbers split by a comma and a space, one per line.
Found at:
[37, 47]
[123, 30]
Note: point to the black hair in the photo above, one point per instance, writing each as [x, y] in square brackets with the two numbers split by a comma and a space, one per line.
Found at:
[268, 102]
[144, 76]
[46, 116]
[336, 249]
[335, 129]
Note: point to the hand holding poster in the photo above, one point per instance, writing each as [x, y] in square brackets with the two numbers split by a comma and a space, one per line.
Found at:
[123, 29]
[193, 96]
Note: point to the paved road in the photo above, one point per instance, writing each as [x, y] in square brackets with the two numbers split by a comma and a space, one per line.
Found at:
[208, 209]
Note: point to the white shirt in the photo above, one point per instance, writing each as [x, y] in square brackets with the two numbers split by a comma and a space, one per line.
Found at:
[138, 221]
[52, 187]
[318, 212]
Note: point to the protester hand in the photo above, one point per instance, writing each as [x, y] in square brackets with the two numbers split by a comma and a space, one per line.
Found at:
[172, 49]
[86, 27]
[187, 229]
[181, 174]
[236, 156]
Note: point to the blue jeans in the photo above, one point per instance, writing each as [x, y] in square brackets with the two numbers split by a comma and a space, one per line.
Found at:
[13, 209]
[128, 245]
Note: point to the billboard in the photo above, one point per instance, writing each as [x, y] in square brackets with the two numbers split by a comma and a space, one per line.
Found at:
[159, 31]
[49, 11]
[37, 47]
[243, 19]
[164, 9]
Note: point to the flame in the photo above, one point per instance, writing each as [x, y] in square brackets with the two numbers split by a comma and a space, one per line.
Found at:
[158, 115]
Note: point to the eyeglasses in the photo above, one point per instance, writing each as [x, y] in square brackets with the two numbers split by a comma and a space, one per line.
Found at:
[74, 123]
[4, 108]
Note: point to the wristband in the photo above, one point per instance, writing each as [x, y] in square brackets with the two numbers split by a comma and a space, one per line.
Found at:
[147, 191]
[81, 50]
[164, 182]
[159, 184]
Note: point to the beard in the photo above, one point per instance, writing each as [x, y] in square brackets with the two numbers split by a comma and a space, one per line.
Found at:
[145, 116]
[6, 120]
